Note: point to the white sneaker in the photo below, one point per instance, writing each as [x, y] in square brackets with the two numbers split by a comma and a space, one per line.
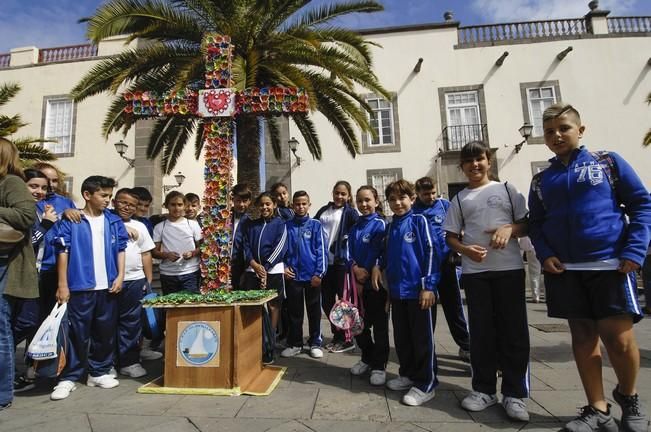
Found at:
[147, 354]
[378, 377]
[415, 397]
[478, 401]
[359, 368]
[316, 352]
[63, 390]
[112, 372]
[104, 381]
[400, 383]
[134, 371]
[515, 408]
[291, 351]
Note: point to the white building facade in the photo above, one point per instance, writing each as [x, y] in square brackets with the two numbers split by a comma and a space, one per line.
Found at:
[450, 84]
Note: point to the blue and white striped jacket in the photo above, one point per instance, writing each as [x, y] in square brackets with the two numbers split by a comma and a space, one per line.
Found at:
[265, 241]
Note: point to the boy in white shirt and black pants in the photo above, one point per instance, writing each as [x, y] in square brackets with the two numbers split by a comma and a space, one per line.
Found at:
[137, 277]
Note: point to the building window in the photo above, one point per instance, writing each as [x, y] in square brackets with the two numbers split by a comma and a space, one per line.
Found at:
[384, 120]
[67, 185]
[59, 124]
[463, 116]
[536, 98]
[538, 166]
[380, 179]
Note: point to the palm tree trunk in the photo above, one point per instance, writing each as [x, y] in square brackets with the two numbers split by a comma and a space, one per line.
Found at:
[248, 152]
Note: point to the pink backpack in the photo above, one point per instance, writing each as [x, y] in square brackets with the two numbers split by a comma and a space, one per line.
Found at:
[347, 314]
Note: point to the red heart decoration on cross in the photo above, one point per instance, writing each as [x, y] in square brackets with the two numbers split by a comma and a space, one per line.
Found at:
[216, 103]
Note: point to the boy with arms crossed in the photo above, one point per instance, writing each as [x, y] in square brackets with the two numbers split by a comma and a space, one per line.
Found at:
[589, 251]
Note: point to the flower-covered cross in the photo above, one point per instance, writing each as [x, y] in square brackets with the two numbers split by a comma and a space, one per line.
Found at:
[218, 104]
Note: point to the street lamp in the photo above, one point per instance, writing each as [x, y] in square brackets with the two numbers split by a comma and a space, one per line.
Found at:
[179, 177]
[525, 130]
[121, 147]
[293, 145]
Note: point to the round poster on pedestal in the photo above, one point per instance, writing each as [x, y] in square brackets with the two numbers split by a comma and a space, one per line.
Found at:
[198, 344]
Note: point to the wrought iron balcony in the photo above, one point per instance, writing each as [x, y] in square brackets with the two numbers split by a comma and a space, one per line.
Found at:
[455, 137]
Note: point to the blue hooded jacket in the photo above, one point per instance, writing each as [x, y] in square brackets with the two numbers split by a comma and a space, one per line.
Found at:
[285, 213]
[366, 240]
[411, 258]
[580, 219]
[435, 215]
[60, 204]
[76, 240]
[348, 218]
[265, 241]
[306, 244]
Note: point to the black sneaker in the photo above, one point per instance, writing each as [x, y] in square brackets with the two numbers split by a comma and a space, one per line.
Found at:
[267, 359]
[23, 384]
[634, 419]
[5, 406]
[591, 420]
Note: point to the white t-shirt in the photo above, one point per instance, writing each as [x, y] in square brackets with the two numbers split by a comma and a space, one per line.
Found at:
[135, 248]
[330, 220]
[484, 208]
[180, 237]
[99, 255]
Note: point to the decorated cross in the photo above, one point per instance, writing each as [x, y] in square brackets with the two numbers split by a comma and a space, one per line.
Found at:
[218, 104]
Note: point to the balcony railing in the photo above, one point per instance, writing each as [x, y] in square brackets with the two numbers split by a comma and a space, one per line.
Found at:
[66, 53]
[455, 137]
[5, 59]
[629, 25]
[491, 33]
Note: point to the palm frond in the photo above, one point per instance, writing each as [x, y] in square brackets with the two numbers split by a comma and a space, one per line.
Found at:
[8, 91]
[274, 135]
[308, 131]
[326, 13]
[30, 149]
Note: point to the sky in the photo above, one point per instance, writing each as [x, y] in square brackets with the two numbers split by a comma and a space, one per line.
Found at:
[52, 23]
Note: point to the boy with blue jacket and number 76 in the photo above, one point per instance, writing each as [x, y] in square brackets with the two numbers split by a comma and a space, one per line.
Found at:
[90, 266]
[579, 208]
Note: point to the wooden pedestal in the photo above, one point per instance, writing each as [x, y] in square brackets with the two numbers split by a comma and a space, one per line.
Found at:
[237, 365]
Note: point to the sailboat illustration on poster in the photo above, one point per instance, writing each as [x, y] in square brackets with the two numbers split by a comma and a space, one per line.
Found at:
[198, 343]
[198, 350]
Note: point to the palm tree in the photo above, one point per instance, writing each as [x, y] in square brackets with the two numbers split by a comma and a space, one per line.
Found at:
[31, 149]
[277, 42]
[647, 138]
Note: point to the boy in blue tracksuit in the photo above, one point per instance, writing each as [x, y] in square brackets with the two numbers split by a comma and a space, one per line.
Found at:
[589, 252]
[241, 195]
[435, 209]
[305, 266]
[411, 263]
[365, 242]
[90, 265]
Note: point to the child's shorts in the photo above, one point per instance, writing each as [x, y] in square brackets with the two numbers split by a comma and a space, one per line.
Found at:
[275, 282]
[592, 295]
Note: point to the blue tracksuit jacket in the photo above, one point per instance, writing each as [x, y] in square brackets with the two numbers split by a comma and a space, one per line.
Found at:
[579, 218]
[348, 218]
[285, 213]
[237, 251]
[306, 244]
[76, 240]
[435, 215]
[411, 258]
[265, 241]
[60, 204]
[366, 240]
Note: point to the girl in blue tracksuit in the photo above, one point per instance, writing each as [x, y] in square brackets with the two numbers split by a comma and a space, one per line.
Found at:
[337, 217]
[25, 312]
[411, 261]
[280, 194]
[365, 242]
[265, 245]
[305, 266]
